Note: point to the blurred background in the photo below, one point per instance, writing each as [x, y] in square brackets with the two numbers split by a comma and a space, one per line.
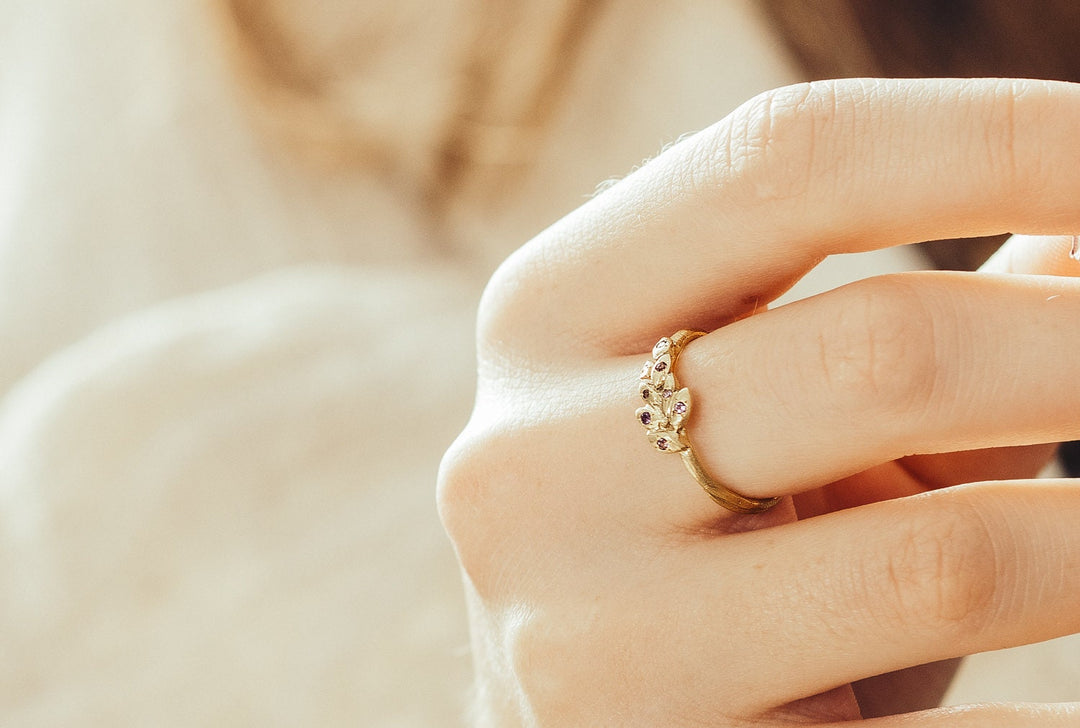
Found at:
[241, 246]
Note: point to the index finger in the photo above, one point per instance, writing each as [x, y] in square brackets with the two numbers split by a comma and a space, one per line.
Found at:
[725, 221]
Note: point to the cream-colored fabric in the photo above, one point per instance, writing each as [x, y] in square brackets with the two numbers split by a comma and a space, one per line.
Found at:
[226, 381]
[219, 511]
[225, 391]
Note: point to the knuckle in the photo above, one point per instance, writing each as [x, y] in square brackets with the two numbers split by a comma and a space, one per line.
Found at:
[999, 134]
[525, 296]
[1016, 106]
[878, 353]
[502, 301]
[561, 658]
[542, 658]
[469, 503]
[940, 573]
[456, 485]
[770, 147]
[490, 504]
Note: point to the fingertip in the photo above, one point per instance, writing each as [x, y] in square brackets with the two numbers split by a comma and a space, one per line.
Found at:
[1056, 255]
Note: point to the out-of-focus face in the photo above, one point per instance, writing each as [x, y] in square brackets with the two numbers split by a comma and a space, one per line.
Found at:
[378, 72]
[493, 118]
[400, 77]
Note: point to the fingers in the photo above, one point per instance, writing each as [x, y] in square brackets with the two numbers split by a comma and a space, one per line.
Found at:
[724, 221]
[1060, 715]
[924, 362]
[1021, 254]
[1043, 254]
[862, 592]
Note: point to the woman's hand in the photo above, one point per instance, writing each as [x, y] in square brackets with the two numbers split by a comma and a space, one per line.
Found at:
[605, 587]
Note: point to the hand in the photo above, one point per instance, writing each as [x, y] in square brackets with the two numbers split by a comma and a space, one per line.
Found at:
[606, 589]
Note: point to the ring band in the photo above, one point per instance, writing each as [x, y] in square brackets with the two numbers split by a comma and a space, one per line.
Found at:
[664, 416]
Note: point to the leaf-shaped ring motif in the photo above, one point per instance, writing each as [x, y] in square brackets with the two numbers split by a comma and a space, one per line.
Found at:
[666, 409]
[666, 406]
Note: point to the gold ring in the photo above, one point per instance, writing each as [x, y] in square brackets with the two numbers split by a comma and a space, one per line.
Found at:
[664, 416]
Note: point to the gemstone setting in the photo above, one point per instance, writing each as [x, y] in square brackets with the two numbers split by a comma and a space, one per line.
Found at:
[666, 405]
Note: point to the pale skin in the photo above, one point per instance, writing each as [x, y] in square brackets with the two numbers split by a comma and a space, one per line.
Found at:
[606, 589]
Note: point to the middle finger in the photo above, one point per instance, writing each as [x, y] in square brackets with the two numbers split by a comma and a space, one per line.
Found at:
[722, 223]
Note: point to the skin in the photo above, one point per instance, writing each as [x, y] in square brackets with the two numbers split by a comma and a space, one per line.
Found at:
[606, 589]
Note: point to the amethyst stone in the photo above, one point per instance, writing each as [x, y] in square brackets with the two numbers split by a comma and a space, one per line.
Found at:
[679, 408]
[646, 418]
[661, 443]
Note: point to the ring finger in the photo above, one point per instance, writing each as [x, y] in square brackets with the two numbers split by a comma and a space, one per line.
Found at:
[891, 366]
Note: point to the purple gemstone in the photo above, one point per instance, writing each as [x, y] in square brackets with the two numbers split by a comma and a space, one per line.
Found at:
[646, 418]
[668, 393]
[660, 366]
[645, 393]
[661, 443]
[679, 408]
